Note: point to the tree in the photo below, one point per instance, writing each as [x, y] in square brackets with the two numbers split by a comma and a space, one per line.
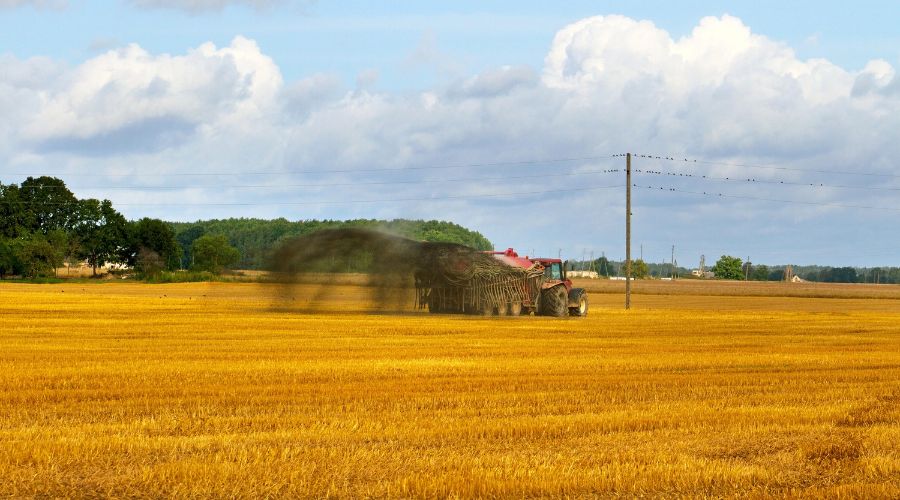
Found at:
[213, 253]
[101, 232]
[156, 236]
[47, 204]
[59, 244]
[148, 262]
[38, 256]
[760, 273]
[604, 267]
[10, 262]
[186, 239]
[639, 269]
[13, 216]
[728, 268]
[841, 275]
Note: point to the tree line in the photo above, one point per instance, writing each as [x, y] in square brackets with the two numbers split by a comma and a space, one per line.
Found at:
[43, 225]
[734, 268]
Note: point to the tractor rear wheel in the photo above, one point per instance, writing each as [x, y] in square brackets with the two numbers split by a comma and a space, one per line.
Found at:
[554, 302]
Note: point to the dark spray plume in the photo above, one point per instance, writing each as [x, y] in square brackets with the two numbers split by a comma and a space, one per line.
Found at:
[446, 277]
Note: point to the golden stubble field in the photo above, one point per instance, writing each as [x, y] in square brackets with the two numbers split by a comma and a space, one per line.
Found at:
[218, 389]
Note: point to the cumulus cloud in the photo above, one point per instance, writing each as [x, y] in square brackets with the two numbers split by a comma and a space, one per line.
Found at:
[129, 99]
[608, 84]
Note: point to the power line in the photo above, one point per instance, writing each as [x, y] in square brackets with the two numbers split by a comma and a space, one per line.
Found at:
[798, 202]
[343, 202]
[339, 184]
[770, 166]
[764, 181]
[357, 170]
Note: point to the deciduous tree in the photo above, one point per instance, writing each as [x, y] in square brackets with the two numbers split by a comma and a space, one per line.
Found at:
[101, 232]
[213, 253]
[728, 268]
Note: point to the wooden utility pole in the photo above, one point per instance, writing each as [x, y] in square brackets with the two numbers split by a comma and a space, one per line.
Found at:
[628, 231]
[673, 262]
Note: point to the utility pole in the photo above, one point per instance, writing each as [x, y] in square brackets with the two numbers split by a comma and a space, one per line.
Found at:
[628, 231]
[673, 262]
[747, 274]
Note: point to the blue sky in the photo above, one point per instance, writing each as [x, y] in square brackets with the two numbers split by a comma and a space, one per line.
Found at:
[102, 93]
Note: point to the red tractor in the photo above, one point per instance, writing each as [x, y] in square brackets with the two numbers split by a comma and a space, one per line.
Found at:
[551, 294]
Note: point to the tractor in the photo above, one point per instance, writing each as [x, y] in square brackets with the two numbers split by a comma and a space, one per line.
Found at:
[552, 294]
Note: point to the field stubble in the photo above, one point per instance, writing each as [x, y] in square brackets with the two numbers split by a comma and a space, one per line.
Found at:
[224, 389]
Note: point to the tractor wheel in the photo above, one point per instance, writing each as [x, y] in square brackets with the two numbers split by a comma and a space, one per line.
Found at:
[554, 302]
[515, 309]
[582, 308]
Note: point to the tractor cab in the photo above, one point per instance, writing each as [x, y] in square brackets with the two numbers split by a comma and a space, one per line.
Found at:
[554, 273]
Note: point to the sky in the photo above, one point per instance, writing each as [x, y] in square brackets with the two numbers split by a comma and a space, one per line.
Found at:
[506, 117]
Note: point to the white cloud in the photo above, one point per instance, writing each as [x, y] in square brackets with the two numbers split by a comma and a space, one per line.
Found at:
[609, 84]
[129, 99]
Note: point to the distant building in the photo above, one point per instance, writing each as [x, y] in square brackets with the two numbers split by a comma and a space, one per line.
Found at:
[699, 273]
[582, 274]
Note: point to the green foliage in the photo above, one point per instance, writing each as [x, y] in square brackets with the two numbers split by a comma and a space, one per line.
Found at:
[186, 239]
[152, 247]
[10, 262]
[101, 232]
[639, 269]
[13, 216]
[604, 267]
[213, 254]
[759, 273]
[38, 257]
[728, 268]
[47, 204]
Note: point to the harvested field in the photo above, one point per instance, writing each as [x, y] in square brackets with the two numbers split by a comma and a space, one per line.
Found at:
[744, 288]
[224, 389]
